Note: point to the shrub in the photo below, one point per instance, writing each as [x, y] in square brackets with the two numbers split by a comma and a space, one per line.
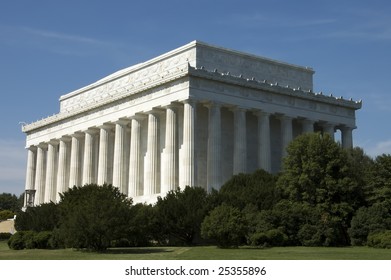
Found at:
[32, 240]
[226, 225]
[380, 239]
[6, 214]
[40, 218]
[308, 235]
[42, 240]
[273, 237]
[258, 189]
[181, 212]
[5, 235]
[16, 241]
[92, 216]
[29, 239]
[367, 220]
[122, 242]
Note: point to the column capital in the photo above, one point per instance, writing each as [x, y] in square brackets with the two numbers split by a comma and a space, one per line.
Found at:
[138, 117]
[122, 121]
[346, 128]
[328, 124]
[211, 104]
[172, 106]
[42, 145]
[31, 148]
[190, 102]
[307, 120]
[283, 117]
[239, 109]
[92, 130]
[66, 138]
[53, 142]
[106, 126]
[77, 135]
[259, 113]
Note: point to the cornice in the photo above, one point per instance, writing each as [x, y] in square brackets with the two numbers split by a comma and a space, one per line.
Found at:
[187, 70]
[273, 88]
[174, 75]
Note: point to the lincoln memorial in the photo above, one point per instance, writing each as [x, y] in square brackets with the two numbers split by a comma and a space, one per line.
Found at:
[194, 116]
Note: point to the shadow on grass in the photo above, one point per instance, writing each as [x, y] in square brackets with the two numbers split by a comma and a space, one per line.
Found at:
[136, 251]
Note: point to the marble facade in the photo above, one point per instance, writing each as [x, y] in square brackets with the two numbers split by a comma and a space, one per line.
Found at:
[193, 116]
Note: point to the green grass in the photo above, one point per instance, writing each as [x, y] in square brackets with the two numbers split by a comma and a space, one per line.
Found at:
[201, 253]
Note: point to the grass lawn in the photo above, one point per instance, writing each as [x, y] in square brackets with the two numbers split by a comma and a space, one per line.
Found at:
[201, 253]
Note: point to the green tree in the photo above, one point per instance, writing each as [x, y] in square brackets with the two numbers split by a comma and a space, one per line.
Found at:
[258, 188]
[9, 202]
[6, 214]
[360, 166]
[319, 173]
[44, 217]
[144, 226]
[380, 179]
[181, 212]
[368, 220]
[93, 216]
[226, 225]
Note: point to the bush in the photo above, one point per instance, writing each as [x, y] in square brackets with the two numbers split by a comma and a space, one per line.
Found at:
[273, 237]
[308, 235]
[144, 227]
[6, 214]
[92, 216]
[367, 220]
[40, 218]
[42, 240]
[32, 240]
[5, 235]
[226, 225]
[380, 239]
[180, 214]
[16, 241]
[29, 239]
[258, 189]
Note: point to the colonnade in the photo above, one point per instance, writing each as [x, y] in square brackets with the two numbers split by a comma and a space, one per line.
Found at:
[129, 153]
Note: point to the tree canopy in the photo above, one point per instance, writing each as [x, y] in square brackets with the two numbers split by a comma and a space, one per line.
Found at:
[258, 189]
[10, 202]
[92, 216]
[181, 212]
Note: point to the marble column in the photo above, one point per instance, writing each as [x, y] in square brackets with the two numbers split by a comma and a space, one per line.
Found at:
[151, 178]
[103, 160]
[214, 148]
[51, 172]
[119, 156]
[40, 175]
[171, 154]
[264, 146]
[75, 162]
[240, 141]
[347, 137]
[134, 188]
[31, 167]
[188, 160]
[63, 167]
[88, 161]
[307, 126]
[286, 134]
[329, 128]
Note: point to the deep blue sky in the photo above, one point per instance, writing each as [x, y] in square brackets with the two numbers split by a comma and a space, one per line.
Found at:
[49, 48]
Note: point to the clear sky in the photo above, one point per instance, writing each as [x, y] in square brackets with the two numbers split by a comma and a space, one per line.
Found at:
[51, 47]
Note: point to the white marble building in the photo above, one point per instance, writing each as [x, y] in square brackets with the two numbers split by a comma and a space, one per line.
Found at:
[193, 116]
